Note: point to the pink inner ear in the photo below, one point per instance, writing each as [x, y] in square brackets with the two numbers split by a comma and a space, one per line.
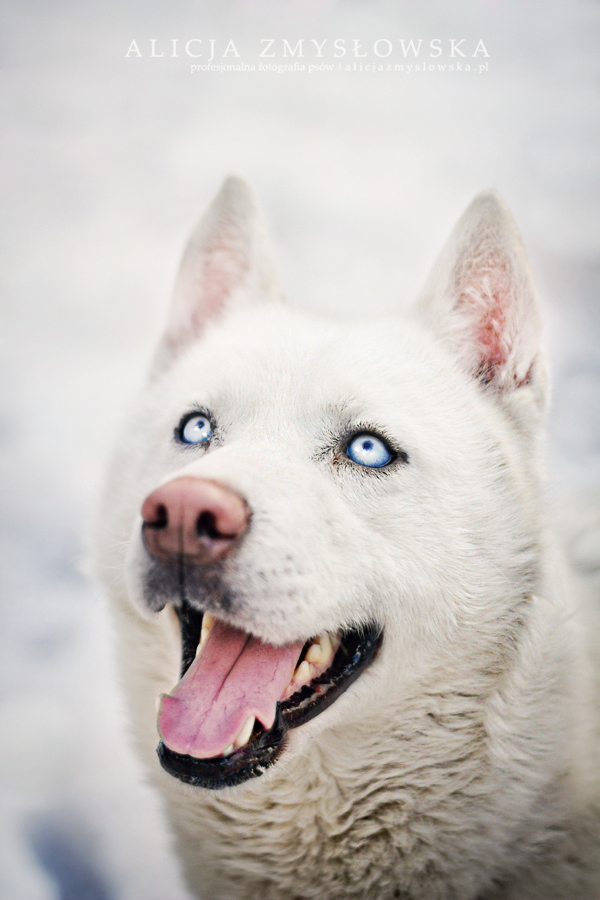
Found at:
[225, 267]
[487, 296]
[493, 352]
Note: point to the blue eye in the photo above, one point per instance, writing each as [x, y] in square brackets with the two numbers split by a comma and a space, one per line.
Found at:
[368, 450]
[196, 430]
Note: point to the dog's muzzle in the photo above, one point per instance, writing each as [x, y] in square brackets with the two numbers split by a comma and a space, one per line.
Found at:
[228, 718]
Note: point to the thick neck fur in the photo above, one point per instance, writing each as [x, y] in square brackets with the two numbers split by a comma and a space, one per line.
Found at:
[469, 763]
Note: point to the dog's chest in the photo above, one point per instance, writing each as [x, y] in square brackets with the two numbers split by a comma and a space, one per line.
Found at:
[381, 831]
[306, 841]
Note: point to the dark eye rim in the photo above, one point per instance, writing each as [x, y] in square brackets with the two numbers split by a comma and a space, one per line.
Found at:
[192, 414]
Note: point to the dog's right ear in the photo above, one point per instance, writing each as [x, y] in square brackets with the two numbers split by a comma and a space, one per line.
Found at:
[228, 263]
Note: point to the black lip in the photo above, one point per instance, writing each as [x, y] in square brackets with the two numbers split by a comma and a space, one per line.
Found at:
[357, 650]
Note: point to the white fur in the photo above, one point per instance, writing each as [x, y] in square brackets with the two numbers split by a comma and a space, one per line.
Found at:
[464, 762]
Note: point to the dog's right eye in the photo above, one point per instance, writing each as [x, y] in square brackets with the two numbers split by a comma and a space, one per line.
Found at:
[195, 429]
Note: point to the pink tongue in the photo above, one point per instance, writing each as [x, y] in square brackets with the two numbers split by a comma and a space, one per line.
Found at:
[235, 676]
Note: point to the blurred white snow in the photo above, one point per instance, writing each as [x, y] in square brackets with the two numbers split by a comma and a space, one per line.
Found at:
[107, 162]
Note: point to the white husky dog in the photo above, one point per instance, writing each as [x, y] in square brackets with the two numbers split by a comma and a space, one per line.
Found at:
[329, 565]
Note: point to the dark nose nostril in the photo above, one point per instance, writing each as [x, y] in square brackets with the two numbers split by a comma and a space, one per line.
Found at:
[160, 518]
[206, 527]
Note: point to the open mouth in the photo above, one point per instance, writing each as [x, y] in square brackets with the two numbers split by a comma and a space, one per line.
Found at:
[227, 720]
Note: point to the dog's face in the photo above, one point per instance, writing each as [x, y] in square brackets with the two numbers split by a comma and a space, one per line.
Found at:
[329, 497]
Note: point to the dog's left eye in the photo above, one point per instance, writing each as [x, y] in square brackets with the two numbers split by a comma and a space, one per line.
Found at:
[368, 450]
[195, 430]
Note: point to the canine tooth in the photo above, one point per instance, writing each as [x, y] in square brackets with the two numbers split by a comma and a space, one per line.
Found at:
[244, 733]
[207, 623]
[326, 645]
[228, 750]
[303, 672]
[313, 654]
[320, 651]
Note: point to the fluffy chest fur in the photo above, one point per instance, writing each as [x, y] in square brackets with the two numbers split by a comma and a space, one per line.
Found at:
[449, 793]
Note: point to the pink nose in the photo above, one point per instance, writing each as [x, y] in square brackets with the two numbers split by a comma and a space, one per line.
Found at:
[191, 517]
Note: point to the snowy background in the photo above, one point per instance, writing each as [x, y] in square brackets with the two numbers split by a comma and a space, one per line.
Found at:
[107, 162]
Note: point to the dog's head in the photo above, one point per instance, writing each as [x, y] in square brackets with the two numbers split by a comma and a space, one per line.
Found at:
[312, 499]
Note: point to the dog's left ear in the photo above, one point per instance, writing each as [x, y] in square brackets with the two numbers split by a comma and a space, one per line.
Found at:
[480, 298]
[228, 263]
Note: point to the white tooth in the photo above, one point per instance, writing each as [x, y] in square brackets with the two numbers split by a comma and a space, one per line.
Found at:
[207, 623]
[320, 651]
[313, 654]
[303, 672]
[326, 646]
[244, 733]
[228, 750]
